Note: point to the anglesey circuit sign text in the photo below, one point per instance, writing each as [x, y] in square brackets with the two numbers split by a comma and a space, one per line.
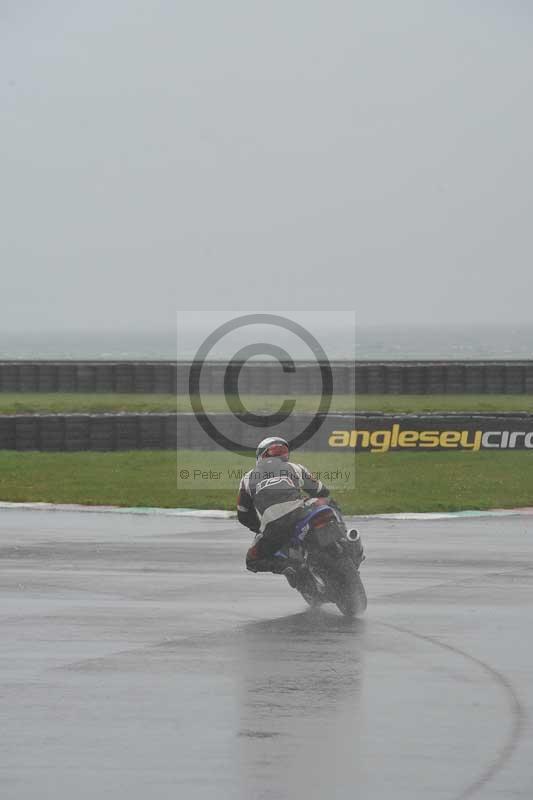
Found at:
[399, 438]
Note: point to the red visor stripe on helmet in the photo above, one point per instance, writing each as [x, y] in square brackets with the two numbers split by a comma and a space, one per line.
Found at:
[277, 450]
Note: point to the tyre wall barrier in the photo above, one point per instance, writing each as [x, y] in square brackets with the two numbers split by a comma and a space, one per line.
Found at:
[78, 432]
[363, 377]
[376, 433]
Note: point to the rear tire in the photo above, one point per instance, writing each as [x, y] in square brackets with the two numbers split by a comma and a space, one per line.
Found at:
[350, 593]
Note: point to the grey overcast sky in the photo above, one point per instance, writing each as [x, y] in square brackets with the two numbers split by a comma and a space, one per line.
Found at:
[242, 154]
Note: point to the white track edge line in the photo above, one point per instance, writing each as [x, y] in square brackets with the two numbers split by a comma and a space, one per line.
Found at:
[221, 514]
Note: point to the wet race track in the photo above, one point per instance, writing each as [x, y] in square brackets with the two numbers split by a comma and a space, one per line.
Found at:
[140, 660]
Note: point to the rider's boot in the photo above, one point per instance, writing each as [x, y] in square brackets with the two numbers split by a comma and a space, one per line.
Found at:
[276, 564]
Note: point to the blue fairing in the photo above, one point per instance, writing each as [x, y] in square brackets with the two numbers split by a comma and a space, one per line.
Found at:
[302, 526]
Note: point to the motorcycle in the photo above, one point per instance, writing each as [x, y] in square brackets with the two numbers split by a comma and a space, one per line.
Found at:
[329, 556]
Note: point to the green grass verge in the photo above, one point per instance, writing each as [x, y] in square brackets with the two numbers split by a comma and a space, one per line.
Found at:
[59, 403]
[384, 483]
[21, 403]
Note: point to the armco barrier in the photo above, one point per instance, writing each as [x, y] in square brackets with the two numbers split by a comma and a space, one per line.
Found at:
[363, 377]
[376, 433]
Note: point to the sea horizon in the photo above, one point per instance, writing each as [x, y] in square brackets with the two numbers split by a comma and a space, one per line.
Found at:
[380, 342]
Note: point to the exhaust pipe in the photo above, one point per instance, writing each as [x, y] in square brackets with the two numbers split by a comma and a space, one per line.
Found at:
[357, 554]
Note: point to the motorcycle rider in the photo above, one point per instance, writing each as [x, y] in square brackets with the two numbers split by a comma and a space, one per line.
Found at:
[270, 502]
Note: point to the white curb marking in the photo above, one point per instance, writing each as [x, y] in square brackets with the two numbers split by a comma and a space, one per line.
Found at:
[220, 514]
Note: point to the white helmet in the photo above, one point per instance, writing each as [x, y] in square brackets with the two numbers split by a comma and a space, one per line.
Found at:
[273, 447]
